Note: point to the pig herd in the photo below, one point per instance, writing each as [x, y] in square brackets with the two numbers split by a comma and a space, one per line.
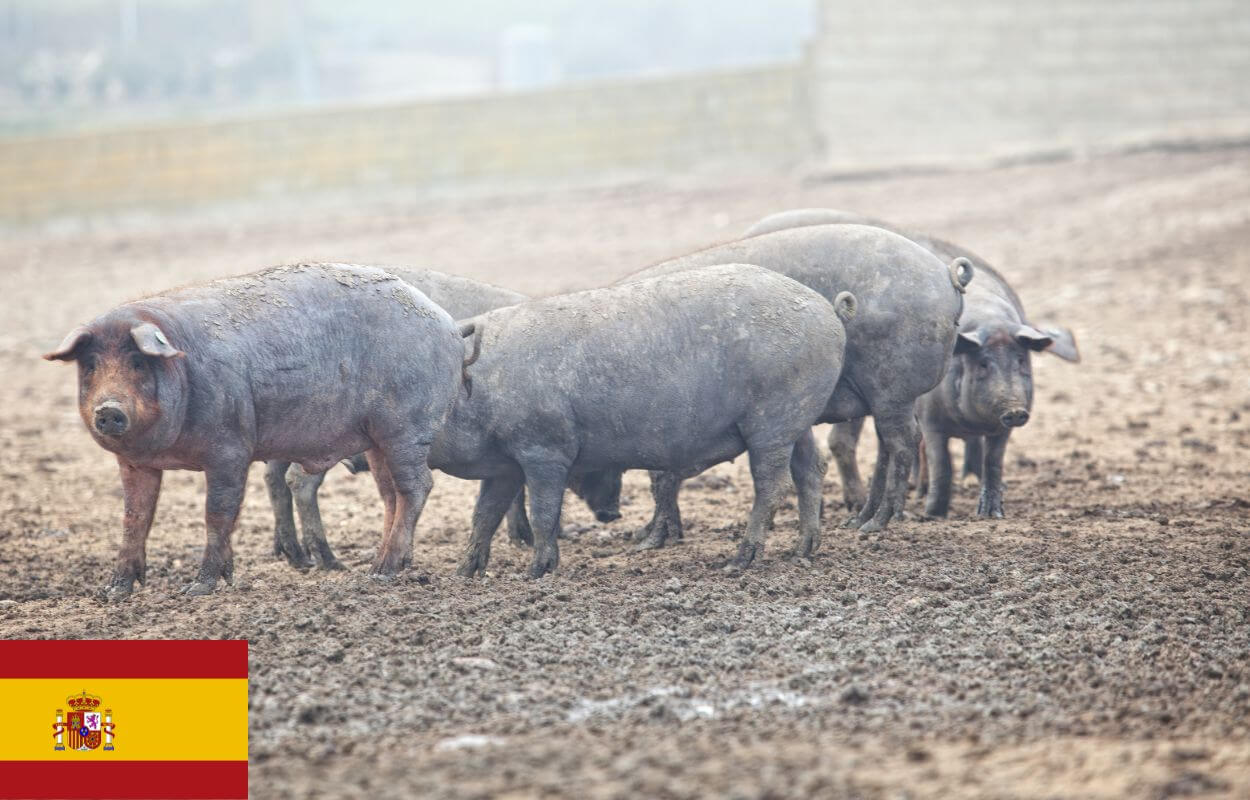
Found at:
[814, 316]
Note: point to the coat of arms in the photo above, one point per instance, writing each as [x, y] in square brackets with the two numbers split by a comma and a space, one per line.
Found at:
[86, 726]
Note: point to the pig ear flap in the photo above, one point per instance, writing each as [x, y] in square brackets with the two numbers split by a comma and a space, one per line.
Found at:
[152, 342]
[66, 350]
[968, 342]
[1063, 343]
[1032, 338]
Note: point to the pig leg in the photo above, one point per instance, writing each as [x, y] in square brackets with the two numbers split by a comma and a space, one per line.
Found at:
[768, 470]
[386, 488]
[974, 458]
[938, 456]
[285, 543]
[224, 496]
[519, 531]
[807, 469]
[141, 487]
[665, 523]
[305, 486]
[922, 470]
[875, 489]
[495, 497]
[991, 504]
[843, 442]
[410, 475]
[899, 438]
[545, 483]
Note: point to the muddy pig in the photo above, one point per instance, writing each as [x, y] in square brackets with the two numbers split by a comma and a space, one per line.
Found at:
[988, 389]
[461, 298]
[308, 363]
[634, 376]
[909, 307]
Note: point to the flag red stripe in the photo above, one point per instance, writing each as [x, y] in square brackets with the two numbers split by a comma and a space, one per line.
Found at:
[126, 658]
[118, 780]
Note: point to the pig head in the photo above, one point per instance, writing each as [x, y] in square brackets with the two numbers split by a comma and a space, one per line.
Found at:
[989, 385]
[131, 381]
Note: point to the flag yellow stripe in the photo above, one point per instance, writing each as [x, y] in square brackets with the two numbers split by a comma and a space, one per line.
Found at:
[156, 719]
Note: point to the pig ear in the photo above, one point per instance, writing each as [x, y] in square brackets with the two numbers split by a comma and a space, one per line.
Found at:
[968, 342]
[1063, 343]
[152, 341]
[1032, 338]
[69, 345]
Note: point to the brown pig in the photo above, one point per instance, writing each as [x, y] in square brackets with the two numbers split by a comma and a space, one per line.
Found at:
[309, 363]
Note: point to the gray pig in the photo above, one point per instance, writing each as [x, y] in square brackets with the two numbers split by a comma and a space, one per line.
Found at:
[308, 363]
[461, 298]
[896, 350]
[988, 389]
[674, 372]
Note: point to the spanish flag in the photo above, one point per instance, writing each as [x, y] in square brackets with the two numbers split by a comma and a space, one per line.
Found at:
[123, 719]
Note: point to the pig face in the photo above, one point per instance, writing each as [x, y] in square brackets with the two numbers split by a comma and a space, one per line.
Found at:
[601, 491]
[122, 364]
[993, 376]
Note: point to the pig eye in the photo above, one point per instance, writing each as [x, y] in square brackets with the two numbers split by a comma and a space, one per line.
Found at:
[137, 361]
[984, 365]
[88, 364]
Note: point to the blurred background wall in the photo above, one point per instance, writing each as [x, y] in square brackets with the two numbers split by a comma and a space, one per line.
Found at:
[108, 106]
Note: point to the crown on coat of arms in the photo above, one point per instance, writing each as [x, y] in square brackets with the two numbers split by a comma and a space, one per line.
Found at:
[83, 702]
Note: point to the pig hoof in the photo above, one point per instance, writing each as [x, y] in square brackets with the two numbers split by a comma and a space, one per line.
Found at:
[806, 547]
[199, 588]
[330, 564]
[746, 555]
[970, 479]
[389, 565]
[990, 507]
[521, 536]
[294, 554]
[543, 566]
[652, 542]
[118, 590]
[474, 564]
[871, 526]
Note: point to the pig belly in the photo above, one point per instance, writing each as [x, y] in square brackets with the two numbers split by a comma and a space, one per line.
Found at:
[662, 450]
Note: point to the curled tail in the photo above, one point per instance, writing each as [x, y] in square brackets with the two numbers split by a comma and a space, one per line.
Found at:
[468, 329]
[845, 305]
[961, 274]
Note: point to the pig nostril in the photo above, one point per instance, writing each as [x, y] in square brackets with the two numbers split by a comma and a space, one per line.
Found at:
[111, 421]
[1014, 419]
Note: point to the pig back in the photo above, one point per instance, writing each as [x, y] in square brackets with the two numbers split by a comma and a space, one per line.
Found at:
[663, 365]
[908, 309]
[313, 348]
[459, 296]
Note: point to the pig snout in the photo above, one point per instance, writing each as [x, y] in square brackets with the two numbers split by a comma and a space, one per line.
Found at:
[608, 514]
[1014, 418]
[109, 419]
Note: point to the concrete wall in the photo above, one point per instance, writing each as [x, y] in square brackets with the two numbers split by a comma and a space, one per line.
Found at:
[914, 80]
[752, 117]
[885, 82]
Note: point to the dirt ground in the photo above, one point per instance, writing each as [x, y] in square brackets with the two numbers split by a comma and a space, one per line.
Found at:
[1094, 644]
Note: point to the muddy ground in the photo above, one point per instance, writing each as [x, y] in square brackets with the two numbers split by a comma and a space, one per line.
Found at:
[1094, 644]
